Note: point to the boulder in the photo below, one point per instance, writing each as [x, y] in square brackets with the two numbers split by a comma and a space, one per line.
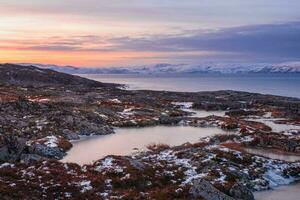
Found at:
[96, 130]
[12, 149]
[169, 120]
[29, 158]
[241, 192]
[45, 151]
[6, 156]
[69, 120]
[203, 189]
[15, 145]
[64, 145]
[136, 164]
[69, 135]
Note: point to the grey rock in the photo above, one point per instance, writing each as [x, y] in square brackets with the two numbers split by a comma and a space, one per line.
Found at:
[12, 149]
[45, 151]
[104, 130]
[205, 190]
[69, 135]
[6, 156]
[169, 120]
[69, 120]
[15, 145]
[241, 192]
[29, 158]
[242, 175]
[97, 130]
[136, 164]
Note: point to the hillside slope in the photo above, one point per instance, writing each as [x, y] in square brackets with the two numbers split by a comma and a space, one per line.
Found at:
[31, 75]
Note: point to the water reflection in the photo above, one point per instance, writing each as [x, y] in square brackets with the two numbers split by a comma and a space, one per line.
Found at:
[125, 140]
[203, 113]
[279, 127]
[290, 192]
[273, 155]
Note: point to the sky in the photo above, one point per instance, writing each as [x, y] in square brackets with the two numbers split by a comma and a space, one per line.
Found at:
[139, 32]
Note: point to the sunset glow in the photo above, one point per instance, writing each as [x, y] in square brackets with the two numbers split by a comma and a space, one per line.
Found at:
[106, 33]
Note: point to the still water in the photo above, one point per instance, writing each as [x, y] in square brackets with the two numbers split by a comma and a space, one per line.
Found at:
[290, 192]
[275, 126]
[125, 140]
[273, 155]
[283, 84]
[204, 113]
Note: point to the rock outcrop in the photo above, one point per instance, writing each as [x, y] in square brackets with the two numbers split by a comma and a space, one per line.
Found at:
[203, 189]
[241, 192]
[48, 152]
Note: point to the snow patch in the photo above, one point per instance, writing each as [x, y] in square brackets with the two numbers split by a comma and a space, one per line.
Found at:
[86, 185]
[107, 164]
[184, 105]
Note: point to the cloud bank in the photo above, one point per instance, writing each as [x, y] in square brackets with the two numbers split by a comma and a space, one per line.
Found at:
[270, 42]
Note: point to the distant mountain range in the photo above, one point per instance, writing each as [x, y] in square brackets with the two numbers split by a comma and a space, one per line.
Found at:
[291, 67]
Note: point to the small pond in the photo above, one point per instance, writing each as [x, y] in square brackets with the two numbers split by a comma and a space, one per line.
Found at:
[125, 140]
[273, 155]
[203, 113]
[271, 122]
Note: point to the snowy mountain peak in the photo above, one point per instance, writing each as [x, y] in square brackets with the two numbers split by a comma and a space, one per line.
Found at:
[165, 68]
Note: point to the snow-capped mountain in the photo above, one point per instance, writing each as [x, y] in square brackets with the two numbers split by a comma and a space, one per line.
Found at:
[290, 67]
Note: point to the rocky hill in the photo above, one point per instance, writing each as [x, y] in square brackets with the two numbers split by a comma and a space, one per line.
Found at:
[32, 76]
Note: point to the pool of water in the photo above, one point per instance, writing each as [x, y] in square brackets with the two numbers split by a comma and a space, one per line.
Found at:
[290, 192]
[279, 127]
[125, 140]
[187, 106]
[276, 127]
[203, 113]
[273, 155]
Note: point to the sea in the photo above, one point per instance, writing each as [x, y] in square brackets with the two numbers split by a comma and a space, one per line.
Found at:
[275, 84]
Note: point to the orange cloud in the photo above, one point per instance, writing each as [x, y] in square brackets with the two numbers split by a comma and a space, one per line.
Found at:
[94, 58]
[73, 58]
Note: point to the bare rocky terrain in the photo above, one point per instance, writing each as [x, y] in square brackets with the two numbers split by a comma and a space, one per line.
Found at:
[41, 111]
